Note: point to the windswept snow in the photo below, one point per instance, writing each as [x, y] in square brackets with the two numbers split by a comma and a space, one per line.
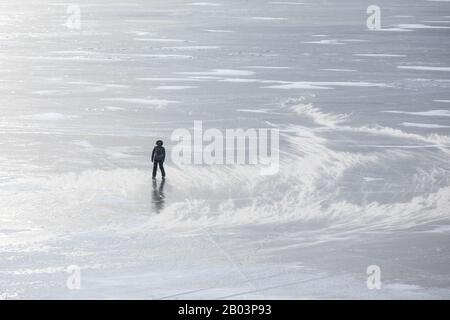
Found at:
[326, 85]
[220, 72]
[174, 87]
[50, 116]
[139, 101]
[382, 55]
[428, 113]
[424, 125]
[424, 68]
[208, 4]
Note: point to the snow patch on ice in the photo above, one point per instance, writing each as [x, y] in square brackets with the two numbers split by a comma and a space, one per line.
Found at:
[419, 26]
[220, 72]
[268, 18]
[266, 67]
[191, 48]
[174, 87]
[160, 40]
[252, 110]
[82, 143]
[157, 103]
[166, 56]
[325, 41]
[439, 141]
[424, 68]
[50, 116]
[429, 113]
[371, 179]
[424, 125]
[205, 4]
[49, 92]
[327, 85]
[378, 55]
[219, 31]
[190, 79]
[286, 2]
[393, 29]
[340, 70]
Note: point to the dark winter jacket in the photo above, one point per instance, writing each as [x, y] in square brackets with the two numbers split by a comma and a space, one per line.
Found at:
[158, 154]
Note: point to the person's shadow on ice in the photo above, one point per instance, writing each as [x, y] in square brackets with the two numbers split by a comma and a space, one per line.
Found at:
[158, 195]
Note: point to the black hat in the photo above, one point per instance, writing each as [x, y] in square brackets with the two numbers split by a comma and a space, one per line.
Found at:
[159, 142]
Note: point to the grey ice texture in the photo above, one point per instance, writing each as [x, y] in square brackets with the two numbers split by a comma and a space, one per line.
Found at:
[364, 175]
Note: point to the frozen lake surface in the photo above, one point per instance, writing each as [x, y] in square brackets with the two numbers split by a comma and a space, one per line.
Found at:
[364, 178]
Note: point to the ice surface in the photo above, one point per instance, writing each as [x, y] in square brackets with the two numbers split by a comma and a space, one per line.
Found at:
[364, 173]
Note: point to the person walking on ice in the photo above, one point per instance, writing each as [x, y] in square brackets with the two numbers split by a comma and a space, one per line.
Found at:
[158, 157]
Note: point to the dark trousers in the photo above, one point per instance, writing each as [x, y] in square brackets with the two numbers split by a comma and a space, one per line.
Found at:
[161, 167]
